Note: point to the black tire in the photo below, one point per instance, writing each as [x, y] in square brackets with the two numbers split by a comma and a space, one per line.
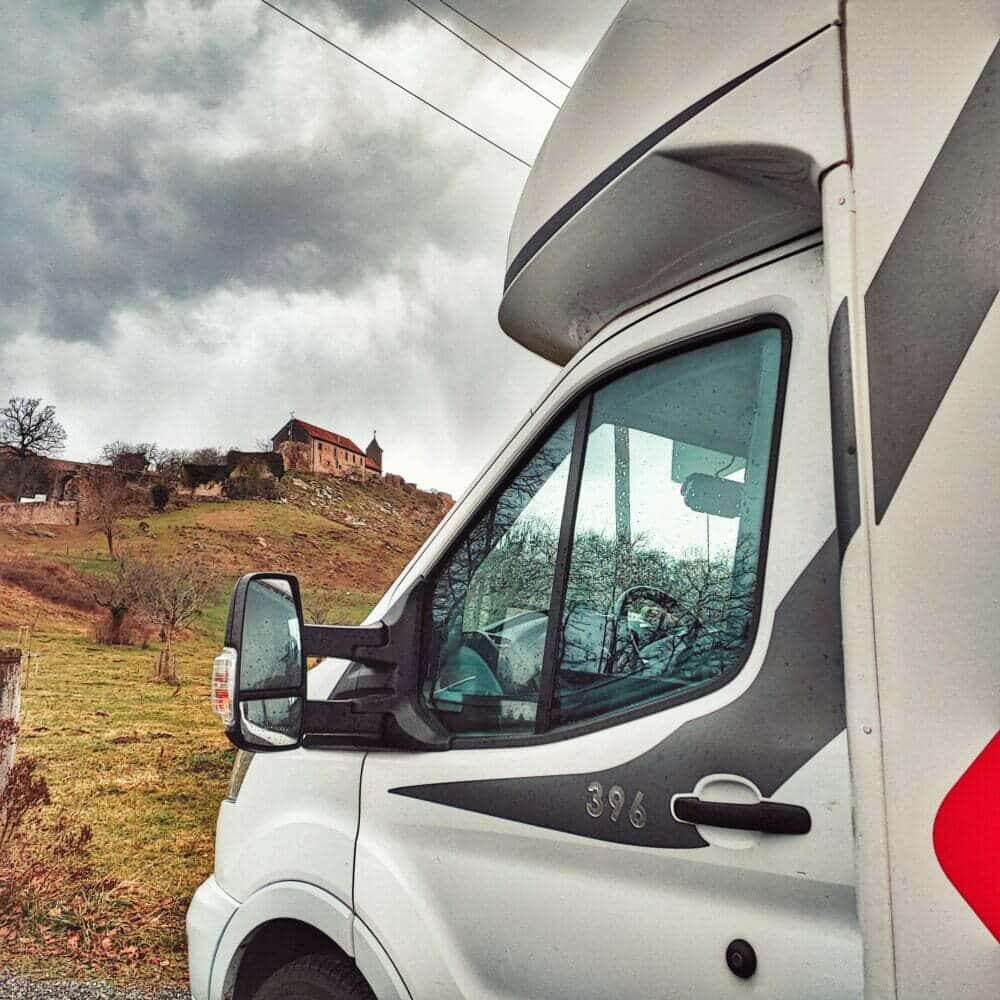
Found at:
[316, 977]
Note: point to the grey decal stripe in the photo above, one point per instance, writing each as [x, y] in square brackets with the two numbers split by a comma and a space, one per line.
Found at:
[845, 449]
[935, 286]
[794, 707]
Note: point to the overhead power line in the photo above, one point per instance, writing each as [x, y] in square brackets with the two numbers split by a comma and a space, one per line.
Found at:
[485, 55]
[506, 45]
[395, 83]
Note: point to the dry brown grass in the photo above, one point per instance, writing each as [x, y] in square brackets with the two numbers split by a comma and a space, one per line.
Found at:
[144, 766]
[59, 912]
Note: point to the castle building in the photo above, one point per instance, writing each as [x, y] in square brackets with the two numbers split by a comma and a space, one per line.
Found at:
[307, 447]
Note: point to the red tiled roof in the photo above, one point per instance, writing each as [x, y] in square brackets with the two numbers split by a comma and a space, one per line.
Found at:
[374, 466]
[324, 435]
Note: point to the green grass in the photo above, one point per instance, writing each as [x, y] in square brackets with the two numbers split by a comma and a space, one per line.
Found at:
[145, 765]
[100, 566]
[114, 747]
[212, 620]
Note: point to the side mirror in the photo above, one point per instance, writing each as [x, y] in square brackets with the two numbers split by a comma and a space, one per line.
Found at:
[259, 680]
[265, 673]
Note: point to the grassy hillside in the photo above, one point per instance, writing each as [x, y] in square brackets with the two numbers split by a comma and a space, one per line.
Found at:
[144, 765]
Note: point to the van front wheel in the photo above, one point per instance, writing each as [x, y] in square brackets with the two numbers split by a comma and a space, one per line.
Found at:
[316, 977]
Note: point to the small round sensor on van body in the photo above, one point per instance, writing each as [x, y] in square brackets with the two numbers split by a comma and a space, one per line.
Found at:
[741, 958]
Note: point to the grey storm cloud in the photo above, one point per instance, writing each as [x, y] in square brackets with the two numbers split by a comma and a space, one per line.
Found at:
[561, 25]
[100, 215]
[368, 14]
[131, 216]
[181, 227]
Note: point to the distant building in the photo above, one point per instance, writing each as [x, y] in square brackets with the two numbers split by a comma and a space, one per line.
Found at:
[306, 447]
[57, 478]
[268, 464]
[130, 464]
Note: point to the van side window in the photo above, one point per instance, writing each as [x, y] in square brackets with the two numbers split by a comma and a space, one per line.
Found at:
[665, 553]
[490, 601]
[659, 570]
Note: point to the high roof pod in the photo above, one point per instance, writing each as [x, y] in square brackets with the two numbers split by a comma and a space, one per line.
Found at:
[723, 103]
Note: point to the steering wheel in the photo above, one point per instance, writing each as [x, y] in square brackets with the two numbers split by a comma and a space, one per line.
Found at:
[665, 600]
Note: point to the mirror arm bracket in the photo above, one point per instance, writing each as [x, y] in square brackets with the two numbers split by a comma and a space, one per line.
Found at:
[387, 715]
[334, 723]
[392, 642]
[341, 641]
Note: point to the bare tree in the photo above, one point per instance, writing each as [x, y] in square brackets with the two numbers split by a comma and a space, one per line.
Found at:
[107, 497]
[31, 431]
[209, 456]
[113, 450]
[122, 594]
[169, 462]
[172, 596]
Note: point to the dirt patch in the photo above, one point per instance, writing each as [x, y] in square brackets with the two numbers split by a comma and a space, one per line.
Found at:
[19, 607]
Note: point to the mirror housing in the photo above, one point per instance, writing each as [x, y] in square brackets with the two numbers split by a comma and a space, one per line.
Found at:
[264, 698]
[264, 663]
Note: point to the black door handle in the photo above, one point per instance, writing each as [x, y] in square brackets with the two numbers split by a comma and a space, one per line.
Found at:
[766, 817]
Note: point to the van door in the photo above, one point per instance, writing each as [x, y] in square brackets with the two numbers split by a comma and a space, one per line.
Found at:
[636, 642]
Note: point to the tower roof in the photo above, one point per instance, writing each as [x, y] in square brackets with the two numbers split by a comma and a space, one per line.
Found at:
[374, 452]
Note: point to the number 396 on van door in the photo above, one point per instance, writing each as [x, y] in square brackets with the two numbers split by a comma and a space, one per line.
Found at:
[597, 804]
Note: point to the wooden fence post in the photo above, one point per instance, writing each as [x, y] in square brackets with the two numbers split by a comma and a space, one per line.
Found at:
[10, 709]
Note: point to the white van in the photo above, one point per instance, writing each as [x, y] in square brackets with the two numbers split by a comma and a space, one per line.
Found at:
[695, 692]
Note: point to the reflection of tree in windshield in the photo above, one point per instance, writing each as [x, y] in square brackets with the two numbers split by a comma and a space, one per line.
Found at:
[507, 559]
[516, 576]
[694, 606]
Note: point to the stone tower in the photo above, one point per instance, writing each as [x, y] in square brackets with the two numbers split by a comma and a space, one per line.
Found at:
[374, 451]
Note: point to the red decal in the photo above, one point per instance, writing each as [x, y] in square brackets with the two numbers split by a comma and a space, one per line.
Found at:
[967, 836]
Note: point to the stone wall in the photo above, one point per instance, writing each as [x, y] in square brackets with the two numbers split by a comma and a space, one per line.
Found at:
[296, 456]
[51, 512]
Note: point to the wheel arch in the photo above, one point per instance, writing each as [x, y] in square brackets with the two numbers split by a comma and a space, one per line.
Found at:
[275, 925]
[285, 920]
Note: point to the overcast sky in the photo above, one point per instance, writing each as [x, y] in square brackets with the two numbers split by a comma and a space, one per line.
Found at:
[209, 218]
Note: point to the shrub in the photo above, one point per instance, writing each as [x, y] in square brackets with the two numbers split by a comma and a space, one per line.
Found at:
[126, 631]
[159, 494]
[51, 581]
[24, 792]
[120, 597]
[171, 595]
[21, 790]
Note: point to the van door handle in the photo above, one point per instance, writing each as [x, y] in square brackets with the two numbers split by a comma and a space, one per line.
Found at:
[765, 817]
